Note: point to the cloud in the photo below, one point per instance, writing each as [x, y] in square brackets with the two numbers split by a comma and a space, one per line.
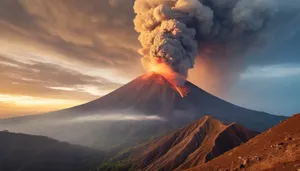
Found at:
[65, 49]
[91, 34]
[272, 71]
[36, 87]
[38, 79]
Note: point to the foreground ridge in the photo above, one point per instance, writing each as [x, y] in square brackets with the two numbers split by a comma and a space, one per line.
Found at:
[277, 149]
[192, 145]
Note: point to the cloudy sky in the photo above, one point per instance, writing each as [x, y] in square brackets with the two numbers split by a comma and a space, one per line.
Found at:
[57, 54]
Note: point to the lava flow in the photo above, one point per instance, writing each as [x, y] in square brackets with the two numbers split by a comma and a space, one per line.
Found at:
[183, 91]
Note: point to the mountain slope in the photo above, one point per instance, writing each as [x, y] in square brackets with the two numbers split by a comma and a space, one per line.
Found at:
[153, 94]
[149, 95]
[194, 144]
[277, 149]
[36, 153]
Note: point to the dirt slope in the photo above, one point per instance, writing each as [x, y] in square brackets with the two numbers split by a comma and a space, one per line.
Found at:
[277, 149]
[194, 144]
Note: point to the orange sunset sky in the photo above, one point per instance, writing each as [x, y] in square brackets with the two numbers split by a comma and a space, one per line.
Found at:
[58, 54]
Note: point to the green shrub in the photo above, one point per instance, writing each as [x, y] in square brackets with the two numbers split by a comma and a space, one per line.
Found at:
[124, 165]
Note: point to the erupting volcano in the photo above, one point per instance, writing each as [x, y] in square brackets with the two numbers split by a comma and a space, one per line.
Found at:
[172, 34]
[159, 121]
[152, 94]
[149, 96]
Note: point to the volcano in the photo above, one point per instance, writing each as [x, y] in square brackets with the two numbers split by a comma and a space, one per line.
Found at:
[149, 95]
[152, 94]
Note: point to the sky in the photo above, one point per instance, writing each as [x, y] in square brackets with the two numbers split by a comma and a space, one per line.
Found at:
[58, 54]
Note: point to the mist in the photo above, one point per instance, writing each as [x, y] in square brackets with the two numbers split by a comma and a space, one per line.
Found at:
[116, 117]
[100, 131]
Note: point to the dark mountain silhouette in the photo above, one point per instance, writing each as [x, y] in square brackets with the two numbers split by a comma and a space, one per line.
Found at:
[148, 95]
[277, 149]
[37, 153]
[190, 146]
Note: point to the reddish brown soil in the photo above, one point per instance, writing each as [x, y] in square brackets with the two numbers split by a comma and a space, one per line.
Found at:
[277, 149]
[192, 145]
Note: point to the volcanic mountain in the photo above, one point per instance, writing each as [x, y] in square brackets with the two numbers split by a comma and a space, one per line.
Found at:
[192, 145]
[277, 149]
[152, 94]
[151, 98]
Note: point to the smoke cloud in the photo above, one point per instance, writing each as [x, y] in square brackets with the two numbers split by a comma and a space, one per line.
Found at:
[165, 33]
[220, 32]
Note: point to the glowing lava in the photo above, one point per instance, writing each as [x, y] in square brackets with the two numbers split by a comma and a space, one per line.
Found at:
[177, 81]
[181, 90]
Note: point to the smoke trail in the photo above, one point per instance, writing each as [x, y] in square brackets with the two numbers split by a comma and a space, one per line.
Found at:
[118, 117]
[174, 32]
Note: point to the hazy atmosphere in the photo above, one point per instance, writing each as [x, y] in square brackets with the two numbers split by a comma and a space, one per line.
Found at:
[149, 85]
[58, 54]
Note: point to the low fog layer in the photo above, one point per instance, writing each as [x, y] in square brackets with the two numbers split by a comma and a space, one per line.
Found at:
[116, 117]
[100, 131]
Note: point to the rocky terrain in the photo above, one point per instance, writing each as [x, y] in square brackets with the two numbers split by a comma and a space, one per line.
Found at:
[277, 149]
[192, 145]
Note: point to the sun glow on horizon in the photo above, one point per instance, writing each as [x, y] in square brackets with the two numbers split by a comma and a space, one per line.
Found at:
[13, 105]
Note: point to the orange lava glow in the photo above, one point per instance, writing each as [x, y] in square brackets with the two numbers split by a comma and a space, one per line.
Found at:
[183, 91]
[206, 76]
[177, 81]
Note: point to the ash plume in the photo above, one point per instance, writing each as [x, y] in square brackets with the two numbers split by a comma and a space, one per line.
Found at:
[175, 32]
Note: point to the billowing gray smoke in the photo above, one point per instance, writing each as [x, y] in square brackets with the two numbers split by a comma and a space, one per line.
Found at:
[174, 32]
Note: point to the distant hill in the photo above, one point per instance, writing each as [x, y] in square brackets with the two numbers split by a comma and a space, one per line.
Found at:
[277, 149]
[190, 146]
[20, 152]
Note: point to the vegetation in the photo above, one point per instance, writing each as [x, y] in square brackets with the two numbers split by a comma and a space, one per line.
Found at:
[124, 165]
